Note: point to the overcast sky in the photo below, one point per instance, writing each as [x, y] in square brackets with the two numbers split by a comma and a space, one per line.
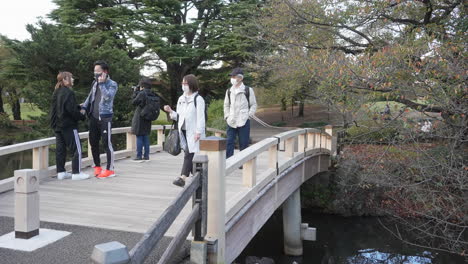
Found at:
[16, 14]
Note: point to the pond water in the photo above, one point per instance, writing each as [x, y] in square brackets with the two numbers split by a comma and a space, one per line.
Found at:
[348, 240]
[10, 163]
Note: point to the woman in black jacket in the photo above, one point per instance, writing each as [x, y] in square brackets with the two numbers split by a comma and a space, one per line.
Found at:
[64, 116]
[141, 127]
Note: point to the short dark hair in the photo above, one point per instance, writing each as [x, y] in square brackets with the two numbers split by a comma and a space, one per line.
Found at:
[145, 83]
[192, 82]
[103, 64]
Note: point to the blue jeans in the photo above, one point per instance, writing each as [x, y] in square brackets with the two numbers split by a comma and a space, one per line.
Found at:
[143, 141]
[243, 133]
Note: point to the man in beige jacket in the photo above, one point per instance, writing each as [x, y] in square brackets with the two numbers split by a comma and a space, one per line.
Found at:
[239, 105]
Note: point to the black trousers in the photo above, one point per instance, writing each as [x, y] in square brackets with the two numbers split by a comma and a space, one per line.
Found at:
[68, 139]
[188, 159]
[101, 130]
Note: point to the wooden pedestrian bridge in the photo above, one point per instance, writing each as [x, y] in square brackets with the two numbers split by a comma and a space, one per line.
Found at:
[220, 210]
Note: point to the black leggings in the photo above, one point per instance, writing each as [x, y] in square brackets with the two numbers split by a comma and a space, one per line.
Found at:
[188, 159]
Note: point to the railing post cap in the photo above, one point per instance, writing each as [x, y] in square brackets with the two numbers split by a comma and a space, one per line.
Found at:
[213, 144]
[26, 181]
[199, 158]
[110, 253]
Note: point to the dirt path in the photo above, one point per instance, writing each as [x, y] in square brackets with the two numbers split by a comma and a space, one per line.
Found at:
[312, 113]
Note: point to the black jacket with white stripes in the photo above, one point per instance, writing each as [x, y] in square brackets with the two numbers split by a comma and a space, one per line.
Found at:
[64, 110]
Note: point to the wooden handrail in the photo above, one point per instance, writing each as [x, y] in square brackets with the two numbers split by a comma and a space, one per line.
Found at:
[249, 153]
[51, 141]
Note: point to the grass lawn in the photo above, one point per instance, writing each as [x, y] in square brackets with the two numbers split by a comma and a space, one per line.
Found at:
[28, 110]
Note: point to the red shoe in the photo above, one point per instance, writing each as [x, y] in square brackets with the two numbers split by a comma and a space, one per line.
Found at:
[97, 170]
[106, 174]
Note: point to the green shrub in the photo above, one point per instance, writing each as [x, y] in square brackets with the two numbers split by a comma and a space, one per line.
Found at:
[5, 121]
[313, 124]
[374, 132]
[216, 115]
[279, 124]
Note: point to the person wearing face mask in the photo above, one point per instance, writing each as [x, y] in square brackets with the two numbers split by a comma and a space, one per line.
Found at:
[190, 117]
[99, 107]
[64, 117]
[239, 104]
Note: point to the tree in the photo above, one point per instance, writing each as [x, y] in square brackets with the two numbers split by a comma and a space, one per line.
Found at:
[51, 50]
[10, 79]
[410, 52]
[182, 34]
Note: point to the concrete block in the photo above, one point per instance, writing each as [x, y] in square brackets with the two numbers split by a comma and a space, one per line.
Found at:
[198, 252]
[26, 211]
[26, 181]
[110, 253]
[308, 233]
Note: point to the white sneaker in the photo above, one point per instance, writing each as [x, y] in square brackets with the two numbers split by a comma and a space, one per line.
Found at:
[63, 175]
[80, 176]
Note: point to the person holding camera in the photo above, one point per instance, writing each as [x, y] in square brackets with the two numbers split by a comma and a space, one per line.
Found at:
[64, 117]
[99, 107]
[147, 110]
[190, 117]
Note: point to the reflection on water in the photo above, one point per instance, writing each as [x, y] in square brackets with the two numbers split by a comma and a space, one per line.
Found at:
[20, 160]
[347, 240]
[10, 163]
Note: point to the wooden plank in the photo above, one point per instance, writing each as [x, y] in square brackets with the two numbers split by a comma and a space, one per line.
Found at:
[181, 236]
[142, 249]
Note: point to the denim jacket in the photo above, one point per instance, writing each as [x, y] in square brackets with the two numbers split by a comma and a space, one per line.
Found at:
[108, 91]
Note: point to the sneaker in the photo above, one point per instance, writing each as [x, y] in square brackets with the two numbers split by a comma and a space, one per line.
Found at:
[146, 158]
[137, 159]
[106, 174]
[63, 175]
[97, 170]
[179, 182]
[80, 176]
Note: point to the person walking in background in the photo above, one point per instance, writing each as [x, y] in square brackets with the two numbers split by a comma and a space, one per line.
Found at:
[64, 116]
[239, 104]
[99, 106]
[190, 117]
[144, 99]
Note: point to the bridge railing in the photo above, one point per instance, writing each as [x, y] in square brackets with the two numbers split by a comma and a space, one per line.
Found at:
[197, 220]
[40, 151]
[295, 144]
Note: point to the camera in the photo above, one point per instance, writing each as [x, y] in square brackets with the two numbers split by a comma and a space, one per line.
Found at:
[135, 87]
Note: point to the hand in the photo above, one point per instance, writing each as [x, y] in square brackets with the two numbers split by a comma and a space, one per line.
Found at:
[167, 109]
[197, 136]
[102, 78]
[82, 111]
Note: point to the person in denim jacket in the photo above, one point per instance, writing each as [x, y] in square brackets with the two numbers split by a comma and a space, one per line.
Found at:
[99, 107]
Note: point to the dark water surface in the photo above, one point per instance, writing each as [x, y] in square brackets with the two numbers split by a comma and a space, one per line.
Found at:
[350, 240]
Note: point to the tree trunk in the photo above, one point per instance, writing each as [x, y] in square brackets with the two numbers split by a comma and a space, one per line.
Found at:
[301, 108]
[2, 110]
[16, 109]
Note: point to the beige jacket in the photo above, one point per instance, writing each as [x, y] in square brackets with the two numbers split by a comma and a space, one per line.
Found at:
[238, 112]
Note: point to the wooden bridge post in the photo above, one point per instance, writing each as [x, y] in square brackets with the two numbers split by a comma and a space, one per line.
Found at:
[161, 137]
[131, 142]
[292, 224]
[334, 139]
[41, 160]
[215, 149]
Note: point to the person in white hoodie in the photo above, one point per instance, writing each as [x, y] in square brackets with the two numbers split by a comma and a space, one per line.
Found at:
[190, 117]
[239, 105]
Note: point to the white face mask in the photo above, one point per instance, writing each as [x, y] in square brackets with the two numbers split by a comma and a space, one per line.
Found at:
[233, 81]
[185, 88]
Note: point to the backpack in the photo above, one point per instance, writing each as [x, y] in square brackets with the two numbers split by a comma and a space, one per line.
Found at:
[206, 108]
[247, 95]
[150, 111]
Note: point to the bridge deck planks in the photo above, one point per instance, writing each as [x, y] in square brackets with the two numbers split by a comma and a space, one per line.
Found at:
[132, 201]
